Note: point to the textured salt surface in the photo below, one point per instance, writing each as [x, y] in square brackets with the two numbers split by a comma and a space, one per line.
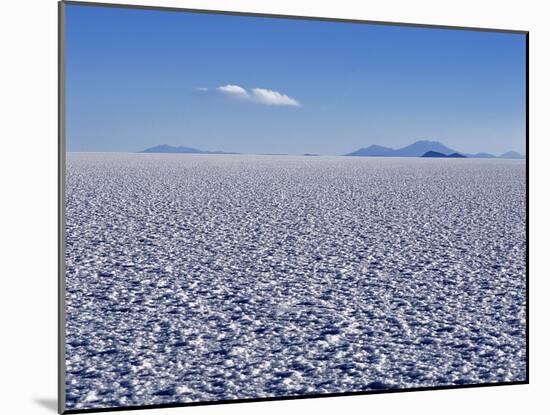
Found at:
[201, 277]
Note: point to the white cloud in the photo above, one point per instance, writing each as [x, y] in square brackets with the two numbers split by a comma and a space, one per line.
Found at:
[201, 89]
[234, 90]
[259, 95]
[269, 97]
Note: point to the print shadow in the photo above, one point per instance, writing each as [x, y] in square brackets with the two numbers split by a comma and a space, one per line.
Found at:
[48, 403]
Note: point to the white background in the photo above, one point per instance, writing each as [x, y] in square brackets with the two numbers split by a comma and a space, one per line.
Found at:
[28, 251]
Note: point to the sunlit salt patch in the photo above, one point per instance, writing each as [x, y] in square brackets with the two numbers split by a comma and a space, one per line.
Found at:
[333, 339]
[146, 365]
[123, 401]
[238, 351]
[198, 342]
[288, 382]
[91, 397]
[182, 390]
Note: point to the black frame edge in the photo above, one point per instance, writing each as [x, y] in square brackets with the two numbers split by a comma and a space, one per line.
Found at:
[292, 398]
[527, 361]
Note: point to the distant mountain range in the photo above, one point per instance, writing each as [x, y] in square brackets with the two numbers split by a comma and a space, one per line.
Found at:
[416, 149]
[511, 155]
[164, 148]
[421, 148]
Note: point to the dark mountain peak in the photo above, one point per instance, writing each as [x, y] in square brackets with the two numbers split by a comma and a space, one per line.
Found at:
[442, 155]
[433, 154]
[418, 148]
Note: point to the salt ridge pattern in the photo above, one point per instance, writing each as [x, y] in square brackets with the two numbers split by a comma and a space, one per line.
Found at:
[208, 277]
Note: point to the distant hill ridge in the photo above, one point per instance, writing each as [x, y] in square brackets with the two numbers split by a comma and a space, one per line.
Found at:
[441, 155]
[420, 148]
[164, 148]
[417, 149]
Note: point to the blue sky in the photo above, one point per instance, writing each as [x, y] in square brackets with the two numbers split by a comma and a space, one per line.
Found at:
[138, 78]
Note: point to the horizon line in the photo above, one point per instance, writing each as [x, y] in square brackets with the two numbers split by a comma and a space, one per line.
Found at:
[309, 155]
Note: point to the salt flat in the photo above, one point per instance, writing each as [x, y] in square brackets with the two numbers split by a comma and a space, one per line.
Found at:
[208, 277]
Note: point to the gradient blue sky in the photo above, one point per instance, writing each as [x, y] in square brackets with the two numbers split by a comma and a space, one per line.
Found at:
[132, 79]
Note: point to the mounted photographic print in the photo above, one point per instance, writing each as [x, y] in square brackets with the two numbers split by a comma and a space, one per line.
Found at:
[259, 207]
